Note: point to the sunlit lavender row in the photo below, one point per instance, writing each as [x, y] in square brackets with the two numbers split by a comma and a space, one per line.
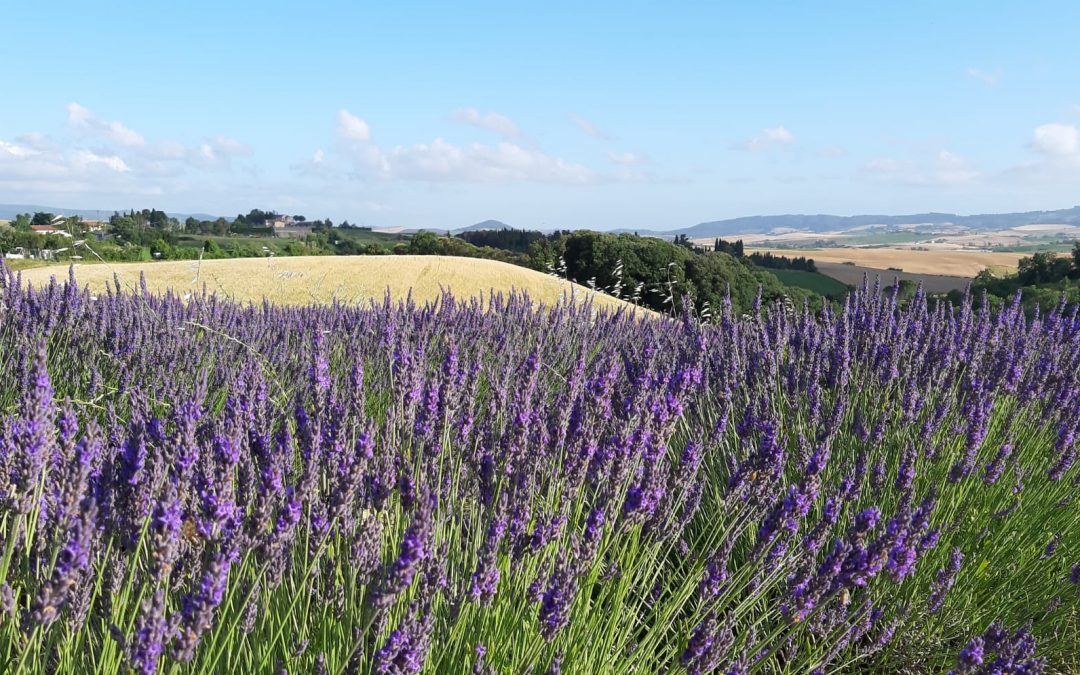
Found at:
[191, 485]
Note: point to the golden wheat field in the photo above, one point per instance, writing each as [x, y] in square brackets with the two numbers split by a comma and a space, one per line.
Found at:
[948, 263]
[323, 279]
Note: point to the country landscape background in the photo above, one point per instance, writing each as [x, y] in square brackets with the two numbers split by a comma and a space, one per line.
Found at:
[474, 338]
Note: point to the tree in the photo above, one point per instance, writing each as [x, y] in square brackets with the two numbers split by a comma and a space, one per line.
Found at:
[41, 218]
[424, 243]
[1076, 260]
[1043, 267]
[211, 249]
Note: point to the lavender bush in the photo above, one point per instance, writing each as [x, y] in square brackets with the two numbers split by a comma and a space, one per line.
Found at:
[193, 485]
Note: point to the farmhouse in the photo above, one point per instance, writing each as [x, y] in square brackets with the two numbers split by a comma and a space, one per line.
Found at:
[49, 229]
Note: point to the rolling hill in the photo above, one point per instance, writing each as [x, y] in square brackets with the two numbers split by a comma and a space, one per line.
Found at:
[484, 225]
[9, 211]
[828, 223]
[321, 279]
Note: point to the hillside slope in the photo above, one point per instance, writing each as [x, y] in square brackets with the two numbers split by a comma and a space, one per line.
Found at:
[319, 279]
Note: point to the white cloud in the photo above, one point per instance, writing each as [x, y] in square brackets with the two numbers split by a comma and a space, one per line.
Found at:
[1057, 140]
[952, 169]
[85, 120]
[61, 170]
[768, 138]
[318, 166]
[832, 152]
[15, 150]
[229, 146]
[947, 169]
[990, 79]
[444, 161]
[79, 117]
[493, 121]
[887, 165]
[85, 158]
[590, 129]
[101, 157]
[167, 150]
[216, 152]
[213, 153]
[352, 128]
[625, 158]
[476, 163]
[121, 135]
[1059, 148]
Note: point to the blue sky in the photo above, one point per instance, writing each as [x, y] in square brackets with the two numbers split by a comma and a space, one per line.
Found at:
[627, 114]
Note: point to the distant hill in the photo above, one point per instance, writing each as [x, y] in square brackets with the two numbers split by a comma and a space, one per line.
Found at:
[715, 228]
[484, 225]
[827, 223]
[9, 211]
[397, 230]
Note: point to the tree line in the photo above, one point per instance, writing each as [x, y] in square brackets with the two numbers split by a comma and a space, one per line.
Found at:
[648, 271]
[1043, 279]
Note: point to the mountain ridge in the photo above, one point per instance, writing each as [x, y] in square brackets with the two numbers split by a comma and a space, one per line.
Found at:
[9, 211]
[758, 224]
[828, 223]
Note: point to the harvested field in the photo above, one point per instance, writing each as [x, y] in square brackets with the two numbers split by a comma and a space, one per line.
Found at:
[322, 279]
[938, 263]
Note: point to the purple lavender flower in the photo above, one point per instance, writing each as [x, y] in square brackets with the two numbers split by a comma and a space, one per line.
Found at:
[1051, 546]
[998, 651]
[152, 632]
[557, 599]
[70, 565]
[707, 645]
[405, 651]
[415, 548]
[197, 613]
[944, 581]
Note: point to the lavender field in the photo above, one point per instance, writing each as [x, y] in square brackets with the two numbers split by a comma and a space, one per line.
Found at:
[202, 486]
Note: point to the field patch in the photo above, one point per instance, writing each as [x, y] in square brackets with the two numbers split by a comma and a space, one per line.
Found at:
[938, 263]
[811, 281]
[322, 279]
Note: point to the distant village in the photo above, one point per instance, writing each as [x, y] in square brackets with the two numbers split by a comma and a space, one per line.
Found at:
[47, 236]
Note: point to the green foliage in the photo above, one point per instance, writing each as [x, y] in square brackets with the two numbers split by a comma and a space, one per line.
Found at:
[731, 248]
[424, 243]
[1043, 279]
[780, 262]
[1043, 267]
[507, 239]
[659, 273]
